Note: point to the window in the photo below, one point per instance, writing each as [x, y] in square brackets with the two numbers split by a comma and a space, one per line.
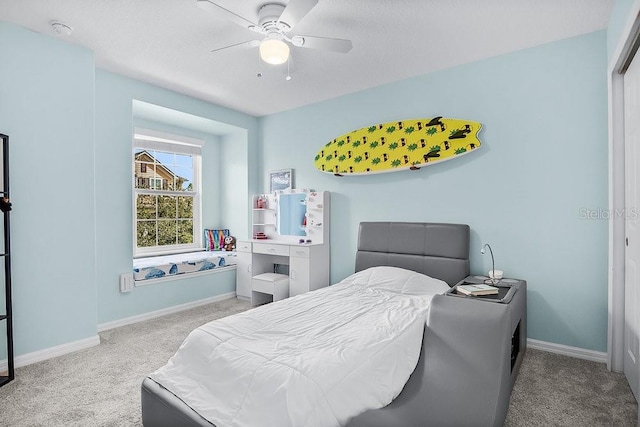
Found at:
[156, 183]
[166, 189]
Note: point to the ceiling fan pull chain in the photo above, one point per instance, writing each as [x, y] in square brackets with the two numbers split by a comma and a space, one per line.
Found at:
[259, 74]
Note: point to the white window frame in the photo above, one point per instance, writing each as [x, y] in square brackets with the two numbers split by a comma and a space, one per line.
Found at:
[162, 141]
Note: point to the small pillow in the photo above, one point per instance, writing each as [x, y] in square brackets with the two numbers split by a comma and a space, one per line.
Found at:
[214, 239]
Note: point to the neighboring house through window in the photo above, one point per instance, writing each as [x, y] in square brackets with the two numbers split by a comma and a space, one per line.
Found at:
[167, 193]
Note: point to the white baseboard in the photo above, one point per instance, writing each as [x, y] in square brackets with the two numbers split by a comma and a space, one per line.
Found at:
[51, 352]
[163, 312]
[565, 350]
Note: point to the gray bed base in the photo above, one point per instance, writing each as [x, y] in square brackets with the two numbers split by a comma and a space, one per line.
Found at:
[464, 375]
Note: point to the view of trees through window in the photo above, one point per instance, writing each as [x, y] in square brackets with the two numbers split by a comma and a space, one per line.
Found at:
[164, 193]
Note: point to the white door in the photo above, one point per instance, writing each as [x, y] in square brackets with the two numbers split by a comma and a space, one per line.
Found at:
[632, 224]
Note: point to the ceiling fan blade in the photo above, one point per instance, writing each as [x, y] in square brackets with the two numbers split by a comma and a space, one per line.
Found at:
[325, 43]
[250, 43]
[211, 7]
[296, 10]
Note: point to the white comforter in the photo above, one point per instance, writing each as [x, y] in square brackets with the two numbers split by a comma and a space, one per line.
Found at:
[317, 359]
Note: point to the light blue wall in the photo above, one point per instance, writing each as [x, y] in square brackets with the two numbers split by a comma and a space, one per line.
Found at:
[543, 163]
[617, 22]
[47, 109]
[70, 127]
[114, 122]
[236, 158]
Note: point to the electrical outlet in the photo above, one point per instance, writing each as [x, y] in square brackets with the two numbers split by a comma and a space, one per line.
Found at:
[126, 282]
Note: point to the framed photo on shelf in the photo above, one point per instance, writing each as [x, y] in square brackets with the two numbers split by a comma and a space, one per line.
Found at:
[280, 180]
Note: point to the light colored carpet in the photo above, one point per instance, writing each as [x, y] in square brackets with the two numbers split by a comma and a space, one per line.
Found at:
[100, 386]
[555, 390]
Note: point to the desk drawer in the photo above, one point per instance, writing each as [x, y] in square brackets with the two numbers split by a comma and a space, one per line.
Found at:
[243, 246]
[270, 249]
[300, 251]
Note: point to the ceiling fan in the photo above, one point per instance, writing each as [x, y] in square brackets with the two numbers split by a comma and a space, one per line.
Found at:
[275, 22]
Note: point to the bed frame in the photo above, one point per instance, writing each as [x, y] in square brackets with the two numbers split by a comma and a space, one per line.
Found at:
[464, 375]
[472, 349]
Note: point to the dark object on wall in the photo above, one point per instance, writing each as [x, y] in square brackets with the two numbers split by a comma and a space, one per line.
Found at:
[5, 206]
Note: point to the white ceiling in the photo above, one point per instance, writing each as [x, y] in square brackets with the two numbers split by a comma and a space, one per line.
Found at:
[169, 42]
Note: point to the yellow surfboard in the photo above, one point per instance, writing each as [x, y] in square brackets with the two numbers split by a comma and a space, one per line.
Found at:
[393, 146]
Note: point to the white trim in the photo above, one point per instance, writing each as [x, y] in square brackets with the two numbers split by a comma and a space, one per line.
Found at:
[565, 350]
[182, 147]
[139, 283]
[184, 251]
[165, 137]
[615, 292]
[163, 312]
[615, 84]
[51, 352]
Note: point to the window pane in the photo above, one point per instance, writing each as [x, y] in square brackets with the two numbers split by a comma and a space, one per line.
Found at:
[184, 160]
[146, 233]
[185, 232]
[167, 207]
[184, 178]
[164, 220]
[146, 206]
[164, 175]
[185, 207]
[142, 167]
[165, 158]
[167, 232]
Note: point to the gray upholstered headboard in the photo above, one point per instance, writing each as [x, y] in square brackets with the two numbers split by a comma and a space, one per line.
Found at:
[437, 250]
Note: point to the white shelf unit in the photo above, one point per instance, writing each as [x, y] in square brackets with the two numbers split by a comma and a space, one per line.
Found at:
[317, 228]
[308, 262]
[264, 218]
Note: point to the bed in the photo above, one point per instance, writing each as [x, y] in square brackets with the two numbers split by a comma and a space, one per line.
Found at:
[460, 371]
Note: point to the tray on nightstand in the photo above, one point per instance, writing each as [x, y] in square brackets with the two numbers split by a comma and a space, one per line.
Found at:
[506, 289]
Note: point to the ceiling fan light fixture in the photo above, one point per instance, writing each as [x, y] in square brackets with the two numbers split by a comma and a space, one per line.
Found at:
[274, 51]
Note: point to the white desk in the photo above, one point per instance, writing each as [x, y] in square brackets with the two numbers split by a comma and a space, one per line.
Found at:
[308, 264]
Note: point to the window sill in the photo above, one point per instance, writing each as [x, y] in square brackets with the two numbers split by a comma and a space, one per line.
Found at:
[178, 265]
[139, 283]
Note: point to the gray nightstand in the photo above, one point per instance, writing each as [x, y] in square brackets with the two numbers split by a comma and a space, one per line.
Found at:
[507, 288]
[473, 351]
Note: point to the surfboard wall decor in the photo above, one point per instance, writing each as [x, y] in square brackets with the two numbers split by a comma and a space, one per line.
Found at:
[393, 146]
